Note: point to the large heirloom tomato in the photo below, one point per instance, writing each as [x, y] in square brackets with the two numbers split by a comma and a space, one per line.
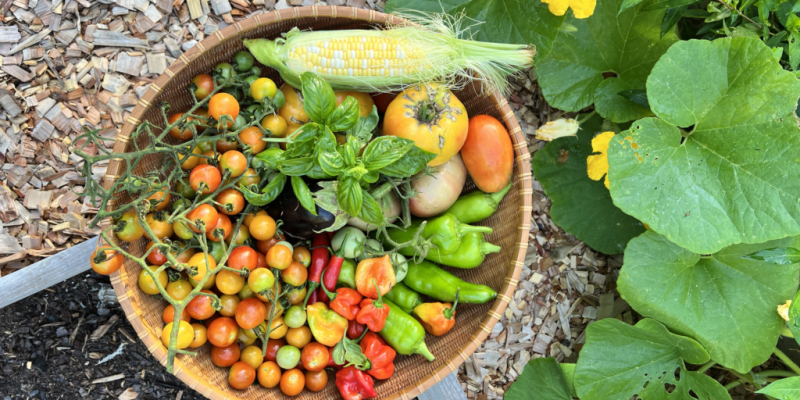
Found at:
[292, 111]
[432, 117]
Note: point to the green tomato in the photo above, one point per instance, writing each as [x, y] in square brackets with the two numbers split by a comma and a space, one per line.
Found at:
[246, 293]
[400, 266]
[295, 317]
[224, 70]
[279, 100]
[182, 230]
[260, 279]
[256, 71]
[288, 357]
[240, 123]
[185, 189]
[353, 246]
[215, 251]
[372, 248]
[243, 61]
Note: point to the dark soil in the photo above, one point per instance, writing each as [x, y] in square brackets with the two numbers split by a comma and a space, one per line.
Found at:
[46, 349]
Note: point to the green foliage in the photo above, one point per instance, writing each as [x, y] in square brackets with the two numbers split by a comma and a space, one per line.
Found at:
[581, 206]
[627, 44]
[641, 361]
[727, 300]
[543, 377]
[784, 389]
[720, 166]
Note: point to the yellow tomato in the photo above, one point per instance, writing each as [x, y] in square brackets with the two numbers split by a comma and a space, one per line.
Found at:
[365, 102]
[292, 111]
[185, 334]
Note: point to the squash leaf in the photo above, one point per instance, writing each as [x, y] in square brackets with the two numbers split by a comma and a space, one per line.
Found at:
[543, 377]
[727, 300]
[620, 361]
[784, 389]
[627, 43]
[732, 178]
[581, 206]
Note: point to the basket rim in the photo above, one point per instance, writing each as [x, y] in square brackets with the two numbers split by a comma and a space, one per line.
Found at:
[522, 161]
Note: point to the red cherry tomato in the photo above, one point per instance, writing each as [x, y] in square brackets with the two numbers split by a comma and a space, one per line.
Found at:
[232, 201]
[225, 356]
[206, 214]
[243, 257]
[250, 312]
[200, 306]
[223, 223]
[223, 332]
[203, 86]
[241, 375]
[205, 174]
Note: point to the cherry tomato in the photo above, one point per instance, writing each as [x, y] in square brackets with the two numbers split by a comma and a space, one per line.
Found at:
[262, 260]
[222, 332]
[280, 257]
[212, 280]
[243, 61]
[229, 303]
[245, 293]
[232, 201]
[316, 380]
[215, 250]
[158, 224]
[205, 214]
[223, 104]
[243, 257]
[203, 86]
[185, 334]
[292, 382]
[159, 200]
[179, 289]
[213, 318]
[238, 238]
[295, 317]
[263, 87]
[202, 115]
[229, 282]
[297, 295]
[288, 356]
[244, 338]
[262, 227]
[222, 228]
[176, 132]
[249, 217]
[295, 274]
[168, 315]
[315, 357]
[241, 375]
[269, 374]
[250, 312]
[275, 124]
[200, 335]
[260, 279]
[146, 283]
[252, 136]
[273, 345]
[131, 231]
[205, 146]
[354, 329]
[278, 328]
[302, 255]
[185, 256]
[182, 230]
[209, 158]
[190, 161]
[224, 356]
[233, 161]
[264, 245]
[252, 355]
[278, 309]
[200, 306]
[198, 262]
[298, 337]
[155, 257]
[108, 262]
[250, 177]
[206, 175]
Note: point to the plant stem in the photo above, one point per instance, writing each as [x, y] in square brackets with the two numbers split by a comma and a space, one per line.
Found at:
[786, 360]
[732, 385]
[776, 372]
[705, 367]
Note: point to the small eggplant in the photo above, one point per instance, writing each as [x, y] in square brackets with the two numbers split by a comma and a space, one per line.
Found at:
[297, 221]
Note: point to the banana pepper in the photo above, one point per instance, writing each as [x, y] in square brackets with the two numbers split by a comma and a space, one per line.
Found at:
[445, 232]
[326, 325]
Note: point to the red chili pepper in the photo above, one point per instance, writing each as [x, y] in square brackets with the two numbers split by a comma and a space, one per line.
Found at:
[331, 273]
[344, 301]
[354, 384]
[355, 330]
[331, 363]
[373, 313]
[319, 259]
[380, 354]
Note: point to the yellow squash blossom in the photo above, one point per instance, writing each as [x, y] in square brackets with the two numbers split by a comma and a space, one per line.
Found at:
[581, 8]
[597, 165]
[557, 129]
[783, 310]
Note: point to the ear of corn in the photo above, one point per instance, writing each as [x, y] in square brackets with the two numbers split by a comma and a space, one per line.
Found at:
[386, 60]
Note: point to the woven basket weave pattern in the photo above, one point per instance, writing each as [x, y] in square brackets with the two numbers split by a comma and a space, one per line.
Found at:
[413, 374]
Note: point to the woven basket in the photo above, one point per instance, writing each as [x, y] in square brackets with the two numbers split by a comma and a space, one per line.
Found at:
[413, 375]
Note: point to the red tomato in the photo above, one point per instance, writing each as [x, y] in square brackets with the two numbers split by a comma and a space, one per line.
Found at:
[264, 245]
[316, 380]
[222, 332]
[207, 175]
[225, 356]
[232, 201]
[241, 375]
[176, 132]
[273, 345]
[155, 257]
[108, 262]
[224, 145]
[314, 357]
[223, 104]
[203, 86]
[250, 312]
[223, 223]
[488, 153]
[233, 161]
[243, 257]
[262, 260]
[200, 306]
[206, 214]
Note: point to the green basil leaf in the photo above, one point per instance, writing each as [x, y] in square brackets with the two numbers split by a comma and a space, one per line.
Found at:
[370, 210]
[414, 161]
[786, 388]
[328, 156]
[297, 166]
[272, 157]
[362, 130]
[268, 194]
[385, 150]
[344, 116]
[319, 100]
[301, 149]
[371, 177]
[349, 194]
[305, 132]
[303, 194]
[318, 173]
[351, 149]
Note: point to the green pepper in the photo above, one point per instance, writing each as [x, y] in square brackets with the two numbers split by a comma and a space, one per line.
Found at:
[347, 276]
[470, 253]
[404, 297]
[477, 205]
[404, 333]
[428, 279]
[444, 231]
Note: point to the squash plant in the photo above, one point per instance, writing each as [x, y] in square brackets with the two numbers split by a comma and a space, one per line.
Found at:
[703, 164]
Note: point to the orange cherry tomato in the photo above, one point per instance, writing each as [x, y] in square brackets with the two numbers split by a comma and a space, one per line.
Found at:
[176, 132]
[223, 104]
[262, 227]
[295, 274]
[297, 295]
[200, 335]
[243, 257]
[316, 380]
[109, 260]
[222, 332]
[250, 177]
[249, 217]
[239, 237]
[233, 161]
[159, 225]
[264, 245]
[302, 255]
[252, 355]
[200, 306]
[229, 303]
[269, 374]
[280, 257]
[224, 224]
[206, 214]
[190, 161]
[224, 356]
[314, 357]
[231, 200]
[202, 263]
[250, 312]
[292, 382]
[203, 86]
[132, 231]
[168, 315]
[160, 199]
[298, 337]
[278, 328]
[179, 289]
[206, 175]
[262, 260]
[252, 137]
[229, 282]
[241, 375]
